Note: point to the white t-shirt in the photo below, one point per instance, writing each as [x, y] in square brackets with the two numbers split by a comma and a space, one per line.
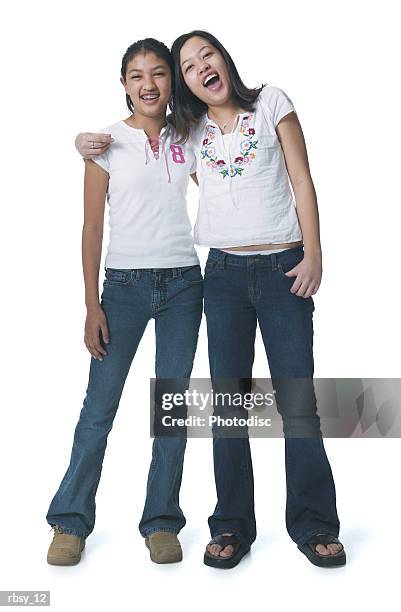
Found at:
[245, 195]
[149, 223]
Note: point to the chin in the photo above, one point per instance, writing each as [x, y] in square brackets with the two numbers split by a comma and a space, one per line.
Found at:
[218, 100]
[151, 112]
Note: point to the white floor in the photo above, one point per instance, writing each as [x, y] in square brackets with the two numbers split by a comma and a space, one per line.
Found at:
[115, 570]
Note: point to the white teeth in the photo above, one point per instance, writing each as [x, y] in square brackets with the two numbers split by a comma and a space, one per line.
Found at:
[210, 76]
[150, 97]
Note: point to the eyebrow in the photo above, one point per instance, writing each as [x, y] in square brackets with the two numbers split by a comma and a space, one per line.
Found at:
[139, 70]
[187, 60]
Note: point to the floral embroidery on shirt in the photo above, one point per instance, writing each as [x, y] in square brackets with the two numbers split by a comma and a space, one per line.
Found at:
[246, 153]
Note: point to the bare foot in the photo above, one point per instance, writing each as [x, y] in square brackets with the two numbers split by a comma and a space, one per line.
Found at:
[218, 551]
[330, 549]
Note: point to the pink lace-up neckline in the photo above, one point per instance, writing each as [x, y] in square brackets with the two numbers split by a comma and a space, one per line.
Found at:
[154, 144]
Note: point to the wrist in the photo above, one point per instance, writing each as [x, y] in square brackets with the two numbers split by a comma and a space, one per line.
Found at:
[92, 303]
[313, 251]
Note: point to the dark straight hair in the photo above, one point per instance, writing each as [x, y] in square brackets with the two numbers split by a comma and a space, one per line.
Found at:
[148, 45]
[186, 107]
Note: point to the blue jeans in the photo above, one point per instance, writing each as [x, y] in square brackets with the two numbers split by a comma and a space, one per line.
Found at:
[239, 292]
[173, 298]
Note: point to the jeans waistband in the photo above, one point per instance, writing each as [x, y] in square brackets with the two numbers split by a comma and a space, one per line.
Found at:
[228, 259]
[138, 273]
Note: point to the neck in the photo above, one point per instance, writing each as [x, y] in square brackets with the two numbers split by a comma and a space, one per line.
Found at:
[150, 125]
[222, 113]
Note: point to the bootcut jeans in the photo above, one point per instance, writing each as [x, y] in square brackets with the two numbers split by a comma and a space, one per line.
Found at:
[239, 292]
[173, 297]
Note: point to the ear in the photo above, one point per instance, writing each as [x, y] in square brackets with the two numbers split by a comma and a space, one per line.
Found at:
[124, 84]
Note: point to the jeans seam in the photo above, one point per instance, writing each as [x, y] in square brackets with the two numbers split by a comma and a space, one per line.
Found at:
[236, 533]
[146, 532]
[69, 530]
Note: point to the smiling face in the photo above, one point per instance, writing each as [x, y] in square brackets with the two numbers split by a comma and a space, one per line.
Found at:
[148, 83]
[205, 71]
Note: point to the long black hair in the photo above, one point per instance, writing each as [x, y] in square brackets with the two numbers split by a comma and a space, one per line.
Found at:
[148, 45]
[186, 107]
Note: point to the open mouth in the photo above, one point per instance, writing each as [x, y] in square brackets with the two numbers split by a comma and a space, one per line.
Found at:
[212, 81]
[150, 97]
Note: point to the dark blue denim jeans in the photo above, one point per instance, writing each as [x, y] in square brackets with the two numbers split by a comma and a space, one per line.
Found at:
[130, 298]
[239, 292]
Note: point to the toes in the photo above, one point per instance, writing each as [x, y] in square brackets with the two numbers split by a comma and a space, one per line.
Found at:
[322, 550]
[335, 548]
[214, 549]
[217, 551]
[330, 549]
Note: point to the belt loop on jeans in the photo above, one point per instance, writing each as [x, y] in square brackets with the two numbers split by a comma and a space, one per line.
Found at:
[274, 261]
[222, 260]
[175, 272]
[137, 274]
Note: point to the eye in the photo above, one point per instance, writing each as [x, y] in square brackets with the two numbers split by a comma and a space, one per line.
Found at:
[135, 76]
[188, 68]
[206, 54]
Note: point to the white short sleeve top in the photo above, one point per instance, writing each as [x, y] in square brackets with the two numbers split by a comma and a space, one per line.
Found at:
[148, 219]
[245, 195]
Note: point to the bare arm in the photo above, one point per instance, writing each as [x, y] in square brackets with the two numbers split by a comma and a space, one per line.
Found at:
[95, 189]
[292, 141]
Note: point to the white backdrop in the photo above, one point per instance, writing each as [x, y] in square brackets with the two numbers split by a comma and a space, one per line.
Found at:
[60, 73]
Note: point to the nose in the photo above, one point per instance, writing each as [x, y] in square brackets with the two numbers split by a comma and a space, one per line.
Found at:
[203, 67]
[149, 83]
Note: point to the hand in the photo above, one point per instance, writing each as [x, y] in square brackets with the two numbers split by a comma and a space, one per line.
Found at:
[96, 322]
[89, 145]
[308, 275]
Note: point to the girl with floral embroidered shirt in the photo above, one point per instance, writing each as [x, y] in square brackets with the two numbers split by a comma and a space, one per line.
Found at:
[263, 267]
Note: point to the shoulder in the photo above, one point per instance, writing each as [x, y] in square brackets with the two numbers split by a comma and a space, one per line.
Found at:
[272, 95]
[275, 103]
[115, 129]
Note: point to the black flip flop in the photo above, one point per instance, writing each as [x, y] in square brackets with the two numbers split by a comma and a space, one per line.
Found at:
[309, 550]
[226, 562]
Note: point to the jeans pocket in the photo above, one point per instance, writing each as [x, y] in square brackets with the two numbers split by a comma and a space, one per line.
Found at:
[117, 277]
[288, 263]
[191, 275]
[211, 267]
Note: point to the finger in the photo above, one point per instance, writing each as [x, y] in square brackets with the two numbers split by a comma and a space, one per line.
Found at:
[105, 332]
[303, 286]
[90, 153]
[96, 354]
[316, 288]
[99, 144]
[310, 290]
[91, 346]
[296, 285]
[99, 139]
[98, 347]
